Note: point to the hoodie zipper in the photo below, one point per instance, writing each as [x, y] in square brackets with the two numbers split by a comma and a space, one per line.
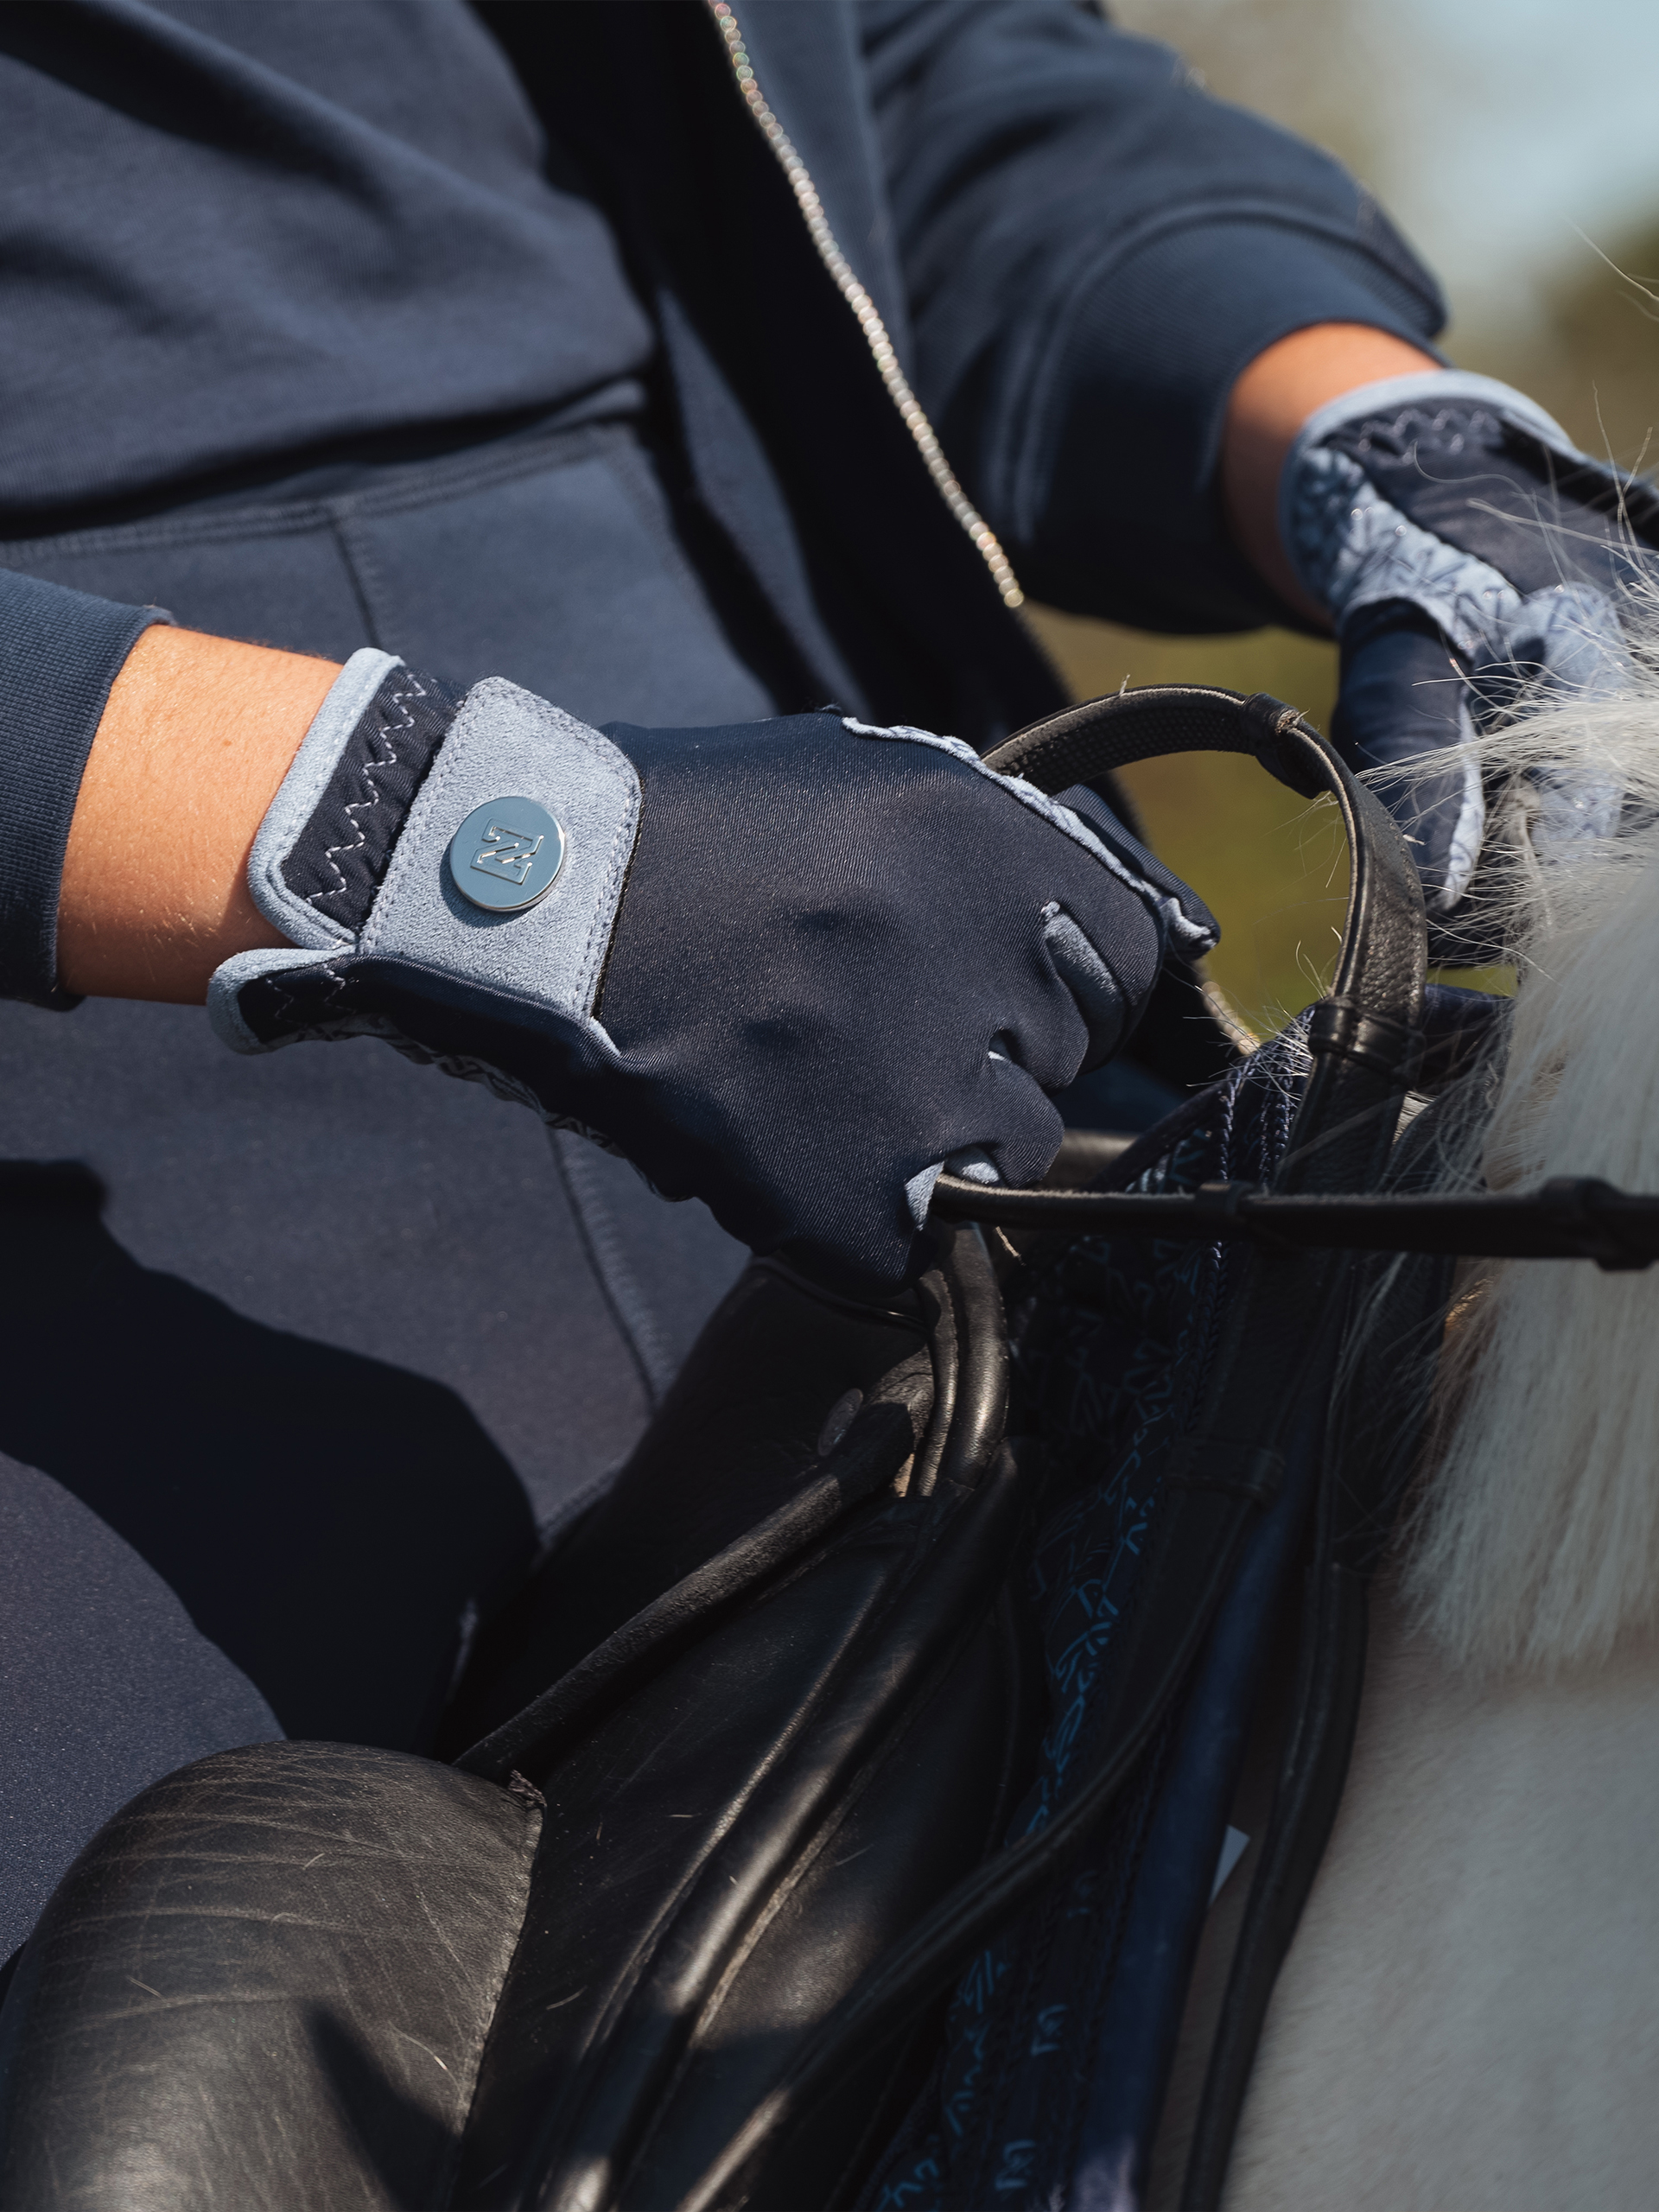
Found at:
[869, 321]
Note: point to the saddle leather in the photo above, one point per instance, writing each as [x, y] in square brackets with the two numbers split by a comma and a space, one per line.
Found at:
[729, 1775]
[314, 1974]
[267, 1983]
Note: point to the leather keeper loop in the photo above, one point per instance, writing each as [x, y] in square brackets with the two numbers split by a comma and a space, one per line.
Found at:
[1272, 723]
[1251, 1471]
[1336, 1026]
[1572, 1201]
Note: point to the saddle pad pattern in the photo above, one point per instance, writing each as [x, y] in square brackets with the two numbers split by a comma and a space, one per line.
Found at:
[1113, 1343]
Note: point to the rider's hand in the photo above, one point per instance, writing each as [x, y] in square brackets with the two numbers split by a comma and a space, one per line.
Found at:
[1468, 557]
[788, 967]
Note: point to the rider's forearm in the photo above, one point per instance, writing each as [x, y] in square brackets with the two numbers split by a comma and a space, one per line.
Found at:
[197, 735]
[199, 732]
[1270, 402]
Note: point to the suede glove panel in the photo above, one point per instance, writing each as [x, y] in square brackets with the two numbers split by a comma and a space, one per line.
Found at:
[1471, 559]
[790, 967]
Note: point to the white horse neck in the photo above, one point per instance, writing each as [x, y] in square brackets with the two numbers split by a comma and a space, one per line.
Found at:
[1465, 2022]
[1534, 1538]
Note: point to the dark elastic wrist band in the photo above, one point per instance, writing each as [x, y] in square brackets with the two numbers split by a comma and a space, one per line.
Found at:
[339, 859]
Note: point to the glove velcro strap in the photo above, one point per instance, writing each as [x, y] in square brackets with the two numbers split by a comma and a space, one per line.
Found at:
[389, 778]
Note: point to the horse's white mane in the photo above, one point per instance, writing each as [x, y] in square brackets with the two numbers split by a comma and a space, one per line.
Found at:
[1533, 1536]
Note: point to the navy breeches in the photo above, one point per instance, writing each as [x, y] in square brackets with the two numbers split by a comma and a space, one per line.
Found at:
[308, 1356]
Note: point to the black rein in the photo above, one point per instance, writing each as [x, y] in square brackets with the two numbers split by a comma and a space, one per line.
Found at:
[1572, 1218]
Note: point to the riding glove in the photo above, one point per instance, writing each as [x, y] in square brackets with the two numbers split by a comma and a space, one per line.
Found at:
[1470, 558]
[789, 967]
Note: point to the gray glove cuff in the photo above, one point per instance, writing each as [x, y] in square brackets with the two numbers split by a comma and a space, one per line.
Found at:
[504, 744]
[1335, 549]
[1353, 548]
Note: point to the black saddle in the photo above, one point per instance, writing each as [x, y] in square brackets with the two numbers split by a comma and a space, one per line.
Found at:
[722, 1808]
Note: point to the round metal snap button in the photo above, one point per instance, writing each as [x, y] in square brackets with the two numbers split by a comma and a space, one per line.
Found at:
[506, 854]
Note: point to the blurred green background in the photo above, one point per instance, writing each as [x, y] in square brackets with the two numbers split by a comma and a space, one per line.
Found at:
[1512, 139]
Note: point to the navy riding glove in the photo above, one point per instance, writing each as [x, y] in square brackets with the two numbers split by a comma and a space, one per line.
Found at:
[1470, 558]
[790, 967]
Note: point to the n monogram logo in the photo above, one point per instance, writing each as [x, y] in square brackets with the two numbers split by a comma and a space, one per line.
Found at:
[507, 852]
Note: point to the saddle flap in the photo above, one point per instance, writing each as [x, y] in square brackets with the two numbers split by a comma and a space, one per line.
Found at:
[268, 1982]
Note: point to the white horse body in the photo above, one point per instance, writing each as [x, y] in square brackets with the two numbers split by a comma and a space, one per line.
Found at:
[1468, 2020]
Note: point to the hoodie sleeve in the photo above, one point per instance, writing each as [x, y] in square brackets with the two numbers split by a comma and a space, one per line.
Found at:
[60, 652]
[1092, 249]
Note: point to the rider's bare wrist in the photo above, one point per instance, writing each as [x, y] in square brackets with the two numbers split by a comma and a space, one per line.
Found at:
[197, 735]
[1272, 398]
